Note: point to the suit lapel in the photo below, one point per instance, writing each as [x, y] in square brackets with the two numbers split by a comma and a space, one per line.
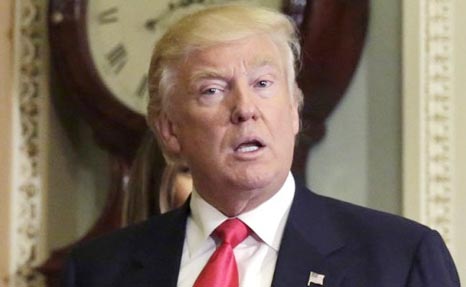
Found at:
[157, 252]
[312, 242]
[310, 238]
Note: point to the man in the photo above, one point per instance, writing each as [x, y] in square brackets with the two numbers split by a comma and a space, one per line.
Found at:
[225, 102]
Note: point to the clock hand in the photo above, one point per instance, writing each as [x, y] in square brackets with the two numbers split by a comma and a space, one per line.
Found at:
[151, 24]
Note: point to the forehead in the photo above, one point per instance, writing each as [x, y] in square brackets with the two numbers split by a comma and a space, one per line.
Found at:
[248, 53]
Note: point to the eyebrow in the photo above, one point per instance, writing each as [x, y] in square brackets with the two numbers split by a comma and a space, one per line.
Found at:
[263, 62]
[207, 72]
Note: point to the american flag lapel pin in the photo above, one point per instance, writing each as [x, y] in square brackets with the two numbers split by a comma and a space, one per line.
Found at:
[316, 279]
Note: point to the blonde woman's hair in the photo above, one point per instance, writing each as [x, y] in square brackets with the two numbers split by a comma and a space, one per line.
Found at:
[218, 24]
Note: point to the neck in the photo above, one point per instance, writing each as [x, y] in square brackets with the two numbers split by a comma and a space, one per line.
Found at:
[235, 201]
[234, 207]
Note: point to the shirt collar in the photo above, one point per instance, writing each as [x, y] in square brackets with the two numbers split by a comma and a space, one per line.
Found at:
[205, 218]
[275, 211]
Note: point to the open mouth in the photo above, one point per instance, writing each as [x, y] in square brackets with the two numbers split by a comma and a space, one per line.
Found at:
[249, 146]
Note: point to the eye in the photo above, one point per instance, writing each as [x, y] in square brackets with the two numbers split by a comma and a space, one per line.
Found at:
[263, 83]
[210, 91]
[211, 94]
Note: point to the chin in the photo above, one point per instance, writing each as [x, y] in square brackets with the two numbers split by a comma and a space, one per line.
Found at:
[259, 179]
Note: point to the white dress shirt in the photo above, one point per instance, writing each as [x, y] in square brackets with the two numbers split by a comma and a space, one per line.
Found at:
[256, 256]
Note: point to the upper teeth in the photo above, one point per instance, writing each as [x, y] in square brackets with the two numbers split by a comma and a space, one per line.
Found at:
[248, 148]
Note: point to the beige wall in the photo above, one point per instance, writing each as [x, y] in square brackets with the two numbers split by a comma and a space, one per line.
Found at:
[6, 8]
[359, 159]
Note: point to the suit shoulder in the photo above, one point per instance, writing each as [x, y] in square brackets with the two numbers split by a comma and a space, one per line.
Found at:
[373, 223]
[380, 247]
[119, 241]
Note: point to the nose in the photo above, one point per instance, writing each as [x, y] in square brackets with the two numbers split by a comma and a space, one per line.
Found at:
[244, 107]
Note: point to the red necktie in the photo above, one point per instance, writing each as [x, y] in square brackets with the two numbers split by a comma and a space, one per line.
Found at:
[221, 269]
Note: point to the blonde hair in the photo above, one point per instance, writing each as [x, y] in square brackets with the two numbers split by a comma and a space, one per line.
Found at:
[217, 24]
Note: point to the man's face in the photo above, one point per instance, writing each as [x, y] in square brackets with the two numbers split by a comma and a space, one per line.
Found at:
[233, 120]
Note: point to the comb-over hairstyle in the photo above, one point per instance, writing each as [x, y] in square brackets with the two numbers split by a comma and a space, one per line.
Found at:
[217, 24]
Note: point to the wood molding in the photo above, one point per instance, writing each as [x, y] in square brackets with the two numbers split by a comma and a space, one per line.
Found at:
[30, 70]
[428, 118]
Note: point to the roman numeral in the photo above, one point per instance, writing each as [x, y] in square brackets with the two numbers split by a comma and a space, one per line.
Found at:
[108, 16]
[117, 57]
[142, 87]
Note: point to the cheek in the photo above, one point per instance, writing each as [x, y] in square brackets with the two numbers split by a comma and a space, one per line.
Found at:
[204, 120]
[284, 115]
[201, 131]
[286, 126]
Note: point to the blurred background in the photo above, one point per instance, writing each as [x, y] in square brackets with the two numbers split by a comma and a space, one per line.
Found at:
[396, 141]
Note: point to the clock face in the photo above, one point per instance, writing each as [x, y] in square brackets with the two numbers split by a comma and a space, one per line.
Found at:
[122, 35]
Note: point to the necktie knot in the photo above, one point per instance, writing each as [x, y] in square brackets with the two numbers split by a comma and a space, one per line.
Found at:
[232, 231]
[221, 269]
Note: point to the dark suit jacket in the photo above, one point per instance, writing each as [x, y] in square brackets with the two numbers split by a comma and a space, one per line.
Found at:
[350, 245]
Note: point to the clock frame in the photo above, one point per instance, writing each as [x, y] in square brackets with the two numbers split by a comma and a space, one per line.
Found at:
[116, 127]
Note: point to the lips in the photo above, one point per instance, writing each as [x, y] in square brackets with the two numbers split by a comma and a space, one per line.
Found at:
[249, 145]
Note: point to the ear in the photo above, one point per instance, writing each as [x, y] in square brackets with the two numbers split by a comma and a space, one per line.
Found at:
[167, 132]
[296, 120]
[295, 112]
